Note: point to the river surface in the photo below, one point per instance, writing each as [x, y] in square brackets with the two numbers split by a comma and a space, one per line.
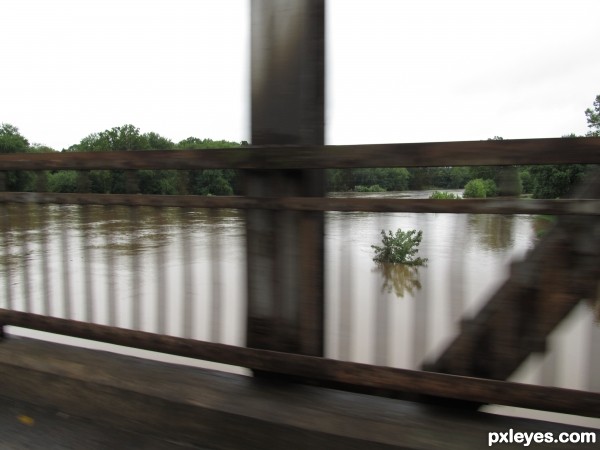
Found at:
[182, 272]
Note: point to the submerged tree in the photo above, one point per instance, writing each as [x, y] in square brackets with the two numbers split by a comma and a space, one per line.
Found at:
[399, 248]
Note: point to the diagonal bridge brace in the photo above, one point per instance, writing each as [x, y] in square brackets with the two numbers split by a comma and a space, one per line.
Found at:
[562, 270]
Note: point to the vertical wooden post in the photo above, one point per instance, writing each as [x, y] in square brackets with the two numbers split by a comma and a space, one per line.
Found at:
[285, 248]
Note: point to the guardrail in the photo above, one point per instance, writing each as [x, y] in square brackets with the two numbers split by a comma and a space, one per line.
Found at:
[366, 378]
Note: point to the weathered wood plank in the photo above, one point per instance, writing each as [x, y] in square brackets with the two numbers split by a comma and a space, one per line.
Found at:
[542, 289]
[196, 407]
[284, 248]
[470, 206]
[342, 373]
[423, 154]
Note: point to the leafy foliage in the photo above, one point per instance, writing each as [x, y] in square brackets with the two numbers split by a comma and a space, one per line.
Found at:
[480, 188]
[540, 181]
[168, 182]
[117, 139]
[399, 248]
[526, 180]
[62, 181]
[555, 181]
[372, 188]
[390, 179]
[439, 195]
[508, 182]
[593, 118]
[490, 188]
[11, 141]
[475, 189]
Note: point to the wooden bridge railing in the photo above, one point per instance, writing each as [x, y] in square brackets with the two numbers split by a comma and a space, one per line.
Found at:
[362, 377]
[284, 226]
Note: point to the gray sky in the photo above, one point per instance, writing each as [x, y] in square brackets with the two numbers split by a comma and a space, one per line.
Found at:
[397, 70]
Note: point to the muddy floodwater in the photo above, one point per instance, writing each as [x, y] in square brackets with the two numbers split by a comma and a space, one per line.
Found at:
[182, 272]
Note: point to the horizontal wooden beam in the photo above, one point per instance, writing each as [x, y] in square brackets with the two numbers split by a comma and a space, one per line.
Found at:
[424, 154]
[353, 375]
[226, 411]
[474, 206]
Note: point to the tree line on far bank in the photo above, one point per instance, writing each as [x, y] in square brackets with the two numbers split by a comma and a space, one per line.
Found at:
[545, 181]
[124, 138]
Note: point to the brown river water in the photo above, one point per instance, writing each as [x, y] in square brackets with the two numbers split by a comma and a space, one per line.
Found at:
[182, 272]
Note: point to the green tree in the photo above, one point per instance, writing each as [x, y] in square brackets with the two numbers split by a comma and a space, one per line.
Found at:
[117, 139]
[40, 148]
[12, 141]
[338, 180]
[420, 178]
[506, 178]
[128, 138]
[593, 118]
[399, 248]
[475, 189]
[194, 143]
[372, 188]
[526, 180]
[363, 177]
[393, 179]
[155, 141]
[158, 181]
[490, 188]
[62, 181]
[438, 195]
[164, 182]
[387, 179]
[209, 181]
[459, 176]
[554, 181]
[508, 181]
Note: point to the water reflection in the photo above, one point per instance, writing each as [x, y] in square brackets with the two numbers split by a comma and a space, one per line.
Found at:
[543, 224]
[182, 272]
[492, 232]
[400, 278]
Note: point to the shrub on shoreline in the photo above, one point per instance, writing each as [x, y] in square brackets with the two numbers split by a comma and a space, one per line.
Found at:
[440, 195]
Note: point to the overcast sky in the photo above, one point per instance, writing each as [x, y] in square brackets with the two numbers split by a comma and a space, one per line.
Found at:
[397, 70]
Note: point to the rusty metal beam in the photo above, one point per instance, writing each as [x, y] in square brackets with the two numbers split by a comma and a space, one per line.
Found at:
[308, 156]
[468, 206]
[373, 379]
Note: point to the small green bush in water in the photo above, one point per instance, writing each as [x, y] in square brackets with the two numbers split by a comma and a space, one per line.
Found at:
[491, 190]
[437, 195]
[373, 188]
[475, 189]
[399, 248]
[480, 188]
